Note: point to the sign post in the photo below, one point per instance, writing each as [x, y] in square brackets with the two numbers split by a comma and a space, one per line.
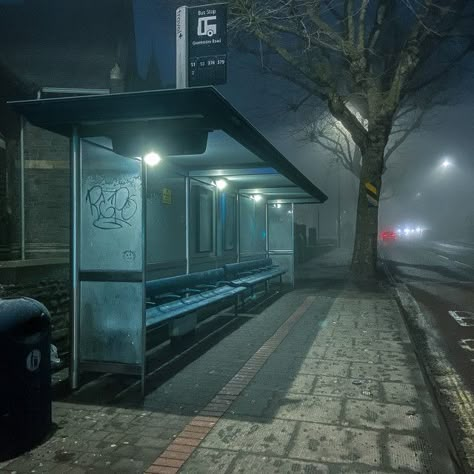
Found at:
[201, 45]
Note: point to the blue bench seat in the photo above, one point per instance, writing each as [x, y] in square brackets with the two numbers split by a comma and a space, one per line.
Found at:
[252, 273]
[178, 296]
[257, 278]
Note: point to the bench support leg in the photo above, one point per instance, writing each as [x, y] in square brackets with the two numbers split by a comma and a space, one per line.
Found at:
[182, 326]
[236, 306]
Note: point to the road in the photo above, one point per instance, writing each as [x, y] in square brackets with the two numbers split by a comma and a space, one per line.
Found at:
[440, 275]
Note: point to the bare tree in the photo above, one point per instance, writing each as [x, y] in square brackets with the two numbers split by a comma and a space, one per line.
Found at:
[324, 130]
[364, 59]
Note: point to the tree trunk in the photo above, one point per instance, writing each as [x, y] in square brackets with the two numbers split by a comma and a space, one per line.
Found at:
[364, 257]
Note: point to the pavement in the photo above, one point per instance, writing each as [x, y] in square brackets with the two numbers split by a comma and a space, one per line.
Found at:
[323, 380]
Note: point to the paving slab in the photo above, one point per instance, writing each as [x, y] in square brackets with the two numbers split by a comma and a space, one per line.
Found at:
[334, 444]
[275, 465]
[272, 437]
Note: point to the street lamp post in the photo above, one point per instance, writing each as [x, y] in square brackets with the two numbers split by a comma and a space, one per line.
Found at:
[339, 208]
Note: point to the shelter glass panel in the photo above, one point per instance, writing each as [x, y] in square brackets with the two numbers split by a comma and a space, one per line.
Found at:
[285, 261]
[111, 211]
[228, 212]
[111, 323]
[261, 234]
[280, 223]
[281, 238]
[202, 199]
[252, 227]
[166, 217]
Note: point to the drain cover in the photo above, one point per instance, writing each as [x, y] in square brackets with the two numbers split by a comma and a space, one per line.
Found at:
[467, 344]
[463, 318]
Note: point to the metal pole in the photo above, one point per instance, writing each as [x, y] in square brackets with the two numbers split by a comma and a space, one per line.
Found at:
[217, 224]
[22, 187]
[182, 48]
[293, 240]
[339, 208]
[238, 227]
[319, 233]
[144, 261]
[267, 241]
[76, 159]
[187, 184]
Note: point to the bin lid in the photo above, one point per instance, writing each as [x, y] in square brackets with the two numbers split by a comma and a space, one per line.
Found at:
[18, 312]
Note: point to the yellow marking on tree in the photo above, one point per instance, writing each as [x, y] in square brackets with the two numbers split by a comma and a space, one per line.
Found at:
[371, 187]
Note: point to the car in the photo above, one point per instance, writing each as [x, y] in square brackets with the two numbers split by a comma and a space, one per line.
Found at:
[388, 236]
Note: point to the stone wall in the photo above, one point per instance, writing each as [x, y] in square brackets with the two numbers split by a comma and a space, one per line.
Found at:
[48, 284]
[47, 196]
[47, 215]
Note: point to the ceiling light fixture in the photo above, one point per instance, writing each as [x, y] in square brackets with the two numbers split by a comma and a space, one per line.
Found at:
[152, 158]
[221, 184]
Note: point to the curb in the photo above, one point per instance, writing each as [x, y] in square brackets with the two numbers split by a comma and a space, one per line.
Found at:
[455, 402]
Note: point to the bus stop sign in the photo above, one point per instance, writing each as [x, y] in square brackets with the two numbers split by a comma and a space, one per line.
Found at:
[201, 45]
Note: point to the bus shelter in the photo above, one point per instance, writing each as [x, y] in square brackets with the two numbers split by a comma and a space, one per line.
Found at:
[163, 183]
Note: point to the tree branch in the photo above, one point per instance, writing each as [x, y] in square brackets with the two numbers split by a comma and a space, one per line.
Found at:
[362, 20]
[313, 75]
[339, 109]
[380, 16]
[349, 20]
[333, 10]
[413, 126]
[421, 85]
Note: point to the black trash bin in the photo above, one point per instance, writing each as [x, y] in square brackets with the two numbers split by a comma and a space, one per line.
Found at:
[25, 375]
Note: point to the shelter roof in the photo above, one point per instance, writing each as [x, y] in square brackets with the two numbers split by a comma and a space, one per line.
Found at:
[196, 129]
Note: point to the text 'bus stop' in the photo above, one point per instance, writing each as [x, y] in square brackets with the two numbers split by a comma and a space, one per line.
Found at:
[220, 194]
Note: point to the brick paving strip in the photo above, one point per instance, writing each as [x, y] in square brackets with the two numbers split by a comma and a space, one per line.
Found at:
[179, 451]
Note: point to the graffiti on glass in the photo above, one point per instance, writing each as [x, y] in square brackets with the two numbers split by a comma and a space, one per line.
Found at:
[112, 207]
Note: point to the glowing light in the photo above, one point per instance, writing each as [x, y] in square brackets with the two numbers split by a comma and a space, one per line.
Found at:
[152, 158]
[418, 230]
[257, 197]
[221, 184]
[446, 163]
